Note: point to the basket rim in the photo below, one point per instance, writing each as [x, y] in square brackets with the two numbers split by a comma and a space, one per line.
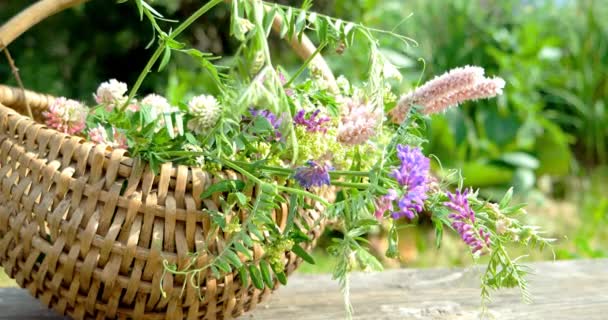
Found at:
[13, 100]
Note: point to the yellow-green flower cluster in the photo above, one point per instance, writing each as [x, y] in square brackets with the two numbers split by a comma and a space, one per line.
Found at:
[276, 251]
[321, 146]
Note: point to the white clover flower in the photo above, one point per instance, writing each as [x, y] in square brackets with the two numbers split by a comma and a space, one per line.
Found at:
[159, 105]
[206, 111]
[66, 115]
[111, 93]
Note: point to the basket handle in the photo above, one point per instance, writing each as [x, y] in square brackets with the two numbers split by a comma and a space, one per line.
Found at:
[42, 9]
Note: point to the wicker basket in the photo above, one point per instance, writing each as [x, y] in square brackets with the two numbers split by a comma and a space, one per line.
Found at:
[85, 229]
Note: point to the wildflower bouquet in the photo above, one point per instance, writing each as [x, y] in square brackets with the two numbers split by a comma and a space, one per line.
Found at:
[295, 136]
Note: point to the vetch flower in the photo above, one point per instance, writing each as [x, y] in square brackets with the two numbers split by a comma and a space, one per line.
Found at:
[413, 174]
[99, 135]
[66, 115]
[313, 174]
[111, 93]
[463, 220]
[385, 203]
[359, 122]
[206, 112]
[313, 123]
[449, 89]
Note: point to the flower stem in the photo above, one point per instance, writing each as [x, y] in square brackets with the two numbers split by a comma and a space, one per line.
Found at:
[255, 179]
[161, 48]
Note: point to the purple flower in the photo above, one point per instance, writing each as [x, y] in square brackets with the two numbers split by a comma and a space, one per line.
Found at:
[314, 123]
[413, 175]
[272, 118]
[463, 220]
[313, 175]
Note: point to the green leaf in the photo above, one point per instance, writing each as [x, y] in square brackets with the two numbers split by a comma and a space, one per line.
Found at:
[368, 260]
[150, 8]
[281, 277]
[241, 198]
[223, 265]
[480, 174]
[169, 125]
[256, 277]
[520, 160]
[244, 275]
[293, 208]
[218, 219]
[322, 28]
[216, 274]
[254, 230]
[312, 17]
[348, 28]
[165, 60]
[140, 9]
[233, 258]
[266, 273]
[247, 240]
[269, 19]
[179, 122]
[223, 186]
[393, 240]
[506, 199]
[241, 248]
[524, 179]
[300, 24]
[300, 252]
[337, 25]
[261, 125]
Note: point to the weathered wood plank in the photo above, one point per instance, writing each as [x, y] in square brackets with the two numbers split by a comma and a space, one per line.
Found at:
[561, 290]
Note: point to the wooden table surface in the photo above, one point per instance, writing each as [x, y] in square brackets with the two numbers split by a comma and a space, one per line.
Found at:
[561, 290]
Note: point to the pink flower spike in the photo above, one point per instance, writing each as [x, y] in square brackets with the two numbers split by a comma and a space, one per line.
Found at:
[484, 89]
[359, 123]
[450, 89]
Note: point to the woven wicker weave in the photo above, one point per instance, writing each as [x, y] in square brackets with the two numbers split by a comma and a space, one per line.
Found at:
[85, 229]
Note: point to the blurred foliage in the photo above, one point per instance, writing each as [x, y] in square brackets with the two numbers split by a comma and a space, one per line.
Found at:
[554, 57]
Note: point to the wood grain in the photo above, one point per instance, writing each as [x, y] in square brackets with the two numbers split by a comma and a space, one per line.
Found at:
[561, 290]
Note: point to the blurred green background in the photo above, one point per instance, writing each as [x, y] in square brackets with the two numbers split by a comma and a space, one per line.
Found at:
[546, 135]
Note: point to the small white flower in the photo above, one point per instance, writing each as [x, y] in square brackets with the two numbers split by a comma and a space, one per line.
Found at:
[158, 105]
[198, 160]
[244, 25]
[111, 93]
